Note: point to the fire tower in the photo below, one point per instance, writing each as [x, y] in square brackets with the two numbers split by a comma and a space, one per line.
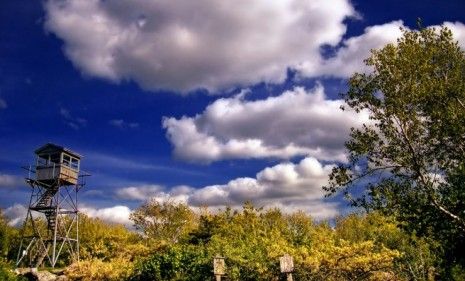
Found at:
[55, 180]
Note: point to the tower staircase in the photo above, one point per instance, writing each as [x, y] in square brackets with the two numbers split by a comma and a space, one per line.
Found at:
[44, 205]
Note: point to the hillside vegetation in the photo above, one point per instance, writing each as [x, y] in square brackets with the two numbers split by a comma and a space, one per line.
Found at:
[175, 243]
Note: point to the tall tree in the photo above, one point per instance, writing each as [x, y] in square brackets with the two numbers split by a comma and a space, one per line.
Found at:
[410, 156]
[164, 221]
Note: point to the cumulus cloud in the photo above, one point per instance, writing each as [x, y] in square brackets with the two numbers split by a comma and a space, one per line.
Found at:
[138, 193]
[15, 214]
[288, 186]
[296, 123]
[10, 181]
[184, 45]
[116, 214]
[349, 57]
[154, 192]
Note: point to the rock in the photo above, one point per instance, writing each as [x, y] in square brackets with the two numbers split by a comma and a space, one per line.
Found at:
[32, 274]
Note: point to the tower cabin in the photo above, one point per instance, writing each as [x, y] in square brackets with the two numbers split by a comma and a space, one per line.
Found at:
[56, 163]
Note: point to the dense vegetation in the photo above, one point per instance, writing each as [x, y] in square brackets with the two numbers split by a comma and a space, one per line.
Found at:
[408, 161]
[356, 247]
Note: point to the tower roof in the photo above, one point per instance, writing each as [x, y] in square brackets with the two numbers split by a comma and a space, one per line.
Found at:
[51, 148]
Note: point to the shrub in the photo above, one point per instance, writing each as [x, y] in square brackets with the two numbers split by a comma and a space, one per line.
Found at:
[186, 262]
[6, 272]
[96, 269]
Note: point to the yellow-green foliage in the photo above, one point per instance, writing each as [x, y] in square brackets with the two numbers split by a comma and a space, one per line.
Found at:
[7, 273]
[96, 269]
[105, 241]
[166, 222]
[358, 247]
[352, 261]
[107, 251]
[355, 247]
[253, 240]
[8, 238]
[416, 260]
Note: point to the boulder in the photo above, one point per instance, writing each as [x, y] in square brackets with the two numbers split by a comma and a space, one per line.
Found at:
[32, 274]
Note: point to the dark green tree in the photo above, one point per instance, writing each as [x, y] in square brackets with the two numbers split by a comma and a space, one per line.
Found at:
[409, 159]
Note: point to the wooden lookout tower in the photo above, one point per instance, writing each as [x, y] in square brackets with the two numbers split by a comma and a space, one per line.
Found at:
[55, 180]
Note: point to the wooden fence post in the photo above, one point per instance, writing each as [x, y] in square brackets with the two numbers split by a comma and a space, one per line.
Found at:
[286, 264]
[218, 267]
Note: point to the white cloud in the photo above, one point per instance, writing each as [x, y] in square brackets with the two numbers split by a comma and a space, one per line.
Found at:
[3, 104]
[122, 124]
[154, 192]
[280, 182]
[458, 31]
[295, 123]
[349, 57]
[184, 45]
[139, 192]
[288, 186]
[15, 214]
[10, 180]
[116, 214]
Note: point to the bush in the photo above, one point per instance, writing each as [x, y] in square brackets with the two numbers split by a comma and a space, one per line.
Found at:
[6, 272]
[105, 241]
[96, 269]
[186, 262]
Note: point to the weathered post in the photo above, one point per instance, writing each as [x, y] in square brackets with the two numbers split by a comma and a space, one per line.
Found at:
[287, 266]
[219, 267]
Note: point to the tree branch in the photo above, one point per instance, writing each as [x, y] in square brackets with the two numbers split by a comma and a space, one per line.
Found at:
[426, 184]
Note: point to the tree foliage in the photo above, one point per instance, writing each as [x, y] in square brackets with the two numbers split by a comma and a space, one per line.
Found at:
[410, 156]
[107, 251]
[165, 222]
[358, 247]
[106, 241]
[175, 262]
[93, 269]
[8, 238]
[6, 271]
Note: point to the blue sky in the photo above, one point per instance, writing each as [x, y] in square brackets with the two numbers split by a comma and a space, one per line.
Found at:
[206, 102]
